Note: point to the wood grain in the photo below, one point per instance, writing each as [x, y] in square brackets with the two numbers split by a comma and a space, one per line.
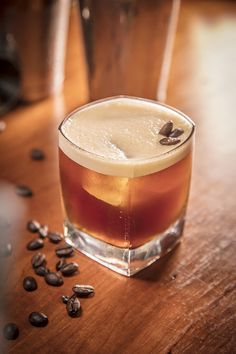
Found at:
[183, 304]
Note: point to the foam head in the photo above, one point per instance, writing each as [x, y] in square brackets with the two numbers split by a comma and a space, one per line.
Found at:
[120, 136]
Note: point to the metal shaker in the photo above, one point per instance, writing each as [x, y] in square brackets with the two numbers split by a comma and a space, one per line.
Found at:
[40, 29]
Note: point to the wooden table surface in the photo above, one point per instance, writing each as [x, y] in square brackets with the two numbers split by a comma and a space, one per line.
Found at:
[184, 304]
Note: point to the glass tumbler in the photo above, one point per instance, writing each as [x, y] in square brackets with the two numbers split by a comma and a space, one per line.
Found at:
[125, 180]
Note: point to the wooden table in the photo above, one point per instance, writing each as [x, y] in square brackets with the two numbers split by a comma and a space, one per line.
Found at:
[184, 304]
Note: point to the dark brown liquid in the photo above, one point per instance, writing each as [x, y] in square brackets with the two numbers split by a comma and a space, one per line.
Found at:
[125, 212]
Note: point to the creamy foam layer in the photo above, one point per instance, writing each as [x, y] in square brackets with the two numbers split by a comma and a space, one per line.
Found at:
[120, 137]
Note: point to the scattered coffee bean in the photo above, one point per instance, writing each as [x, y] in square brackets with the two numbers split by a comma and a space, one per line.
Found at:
[65, 251]
[37, 154]
[33, 226]
[169, 141]
[2, 126]
[42, 271]
[166, 128]
[5, 250]
[43, 231]
[83, 290]
[38, 319]
[73, 307]
[65, 299]
[29, 284]
[55, 237]
[54, 279]
[35, 244]
[38, 259]
[176, 132]
[24, 191]
[11, 331]
[69, 269]
[60, 264]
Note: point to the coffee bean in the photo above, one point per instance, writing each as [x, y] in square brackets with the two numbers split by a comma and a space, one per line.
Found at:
[38, 319]
[169, 141]
[37, 154]
[35, 244]
[83, 290]
[43, 231]
[54, 279]
[65, 251]
[2, 126]
[69, 269]
[11, 331]
[29, 284]
[55, 237]
[73, 307]
[24, 191]
[65, 299]
[41, 271]
[176, 132]
[166, 128]
[5, 250]
[38, 260]
[33, 226]
[60, 264]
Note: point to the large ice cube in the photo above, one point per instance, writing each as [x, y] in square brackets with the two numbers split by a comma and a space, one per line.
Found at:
[109, 189]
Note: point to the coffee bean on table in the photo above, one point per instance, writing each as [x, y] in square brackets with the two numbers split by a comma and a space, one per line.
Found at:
[54, 279]
[176, 132]
[33, 226]
[55, 237]
[64, 251]
[35, 244]
[73, 306]
[60, 264]
[43, 231]
[166, 128]
[38, 319]
[70, 268]
[65, 299]
[37, 154]
[38, 260]
[24, 191]
[5, 250]
[30, 284]
[11, 331]
[41, 271]
[83, 290]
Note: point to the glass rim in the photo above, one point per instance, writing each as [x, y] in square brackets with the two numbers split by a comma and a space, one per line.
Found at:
[175, 148]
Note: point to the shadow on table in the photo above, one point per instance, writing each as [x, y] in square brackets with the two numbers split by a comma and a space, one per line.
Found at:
[163, 267]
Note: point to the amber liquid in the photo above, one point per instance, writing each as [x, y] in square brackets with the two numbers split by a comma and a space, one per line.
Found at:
[125, 212]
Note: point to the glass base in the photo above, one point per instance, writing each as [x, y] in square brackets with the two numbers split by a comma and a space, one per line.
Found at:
[125, 261]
